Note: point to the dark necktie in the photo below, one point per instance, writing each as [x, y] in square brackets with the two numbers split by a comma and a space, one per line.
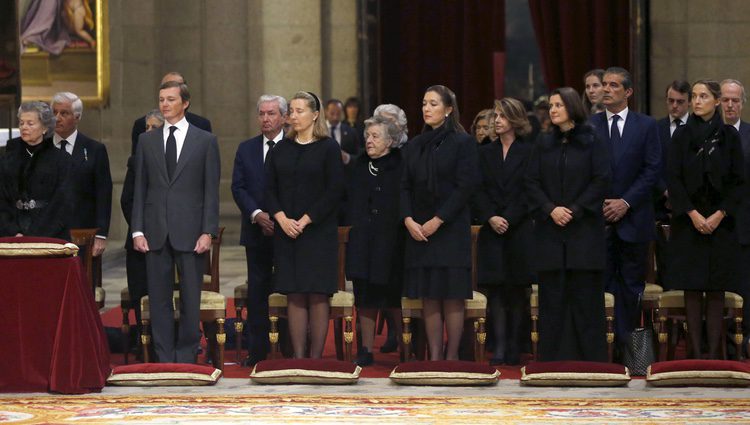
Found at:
[270, 144]
[333, 133]
[614, 133]
[677, 123]
[64, 146]
[171, 153]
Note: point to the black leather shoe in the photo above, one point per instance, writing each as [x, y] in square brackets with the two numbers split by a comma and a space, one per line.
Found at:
[389, 346]
[364, 358]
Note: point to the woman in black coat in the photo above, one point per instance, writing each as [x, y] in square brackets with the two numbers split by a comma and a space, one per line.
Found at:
[34, 176]
[375, 252]
[567, 179]
[503, 245]
[304, 186]
[704, 174]
[440, 176]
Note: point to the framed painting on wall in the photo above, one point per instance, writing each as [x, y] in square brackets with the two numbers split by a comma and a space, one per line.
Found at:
[64, 47]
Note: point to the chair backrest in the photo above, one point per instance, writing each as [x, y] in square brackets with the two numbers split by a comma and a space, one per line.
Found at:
[343, 240]
[474, 236]
[84, 238]
[212, 263]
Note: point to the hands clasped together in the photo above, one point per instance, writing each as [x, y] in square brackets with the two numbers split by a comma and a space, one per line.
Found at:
[703, 225]
[420, 232]
[292, 228]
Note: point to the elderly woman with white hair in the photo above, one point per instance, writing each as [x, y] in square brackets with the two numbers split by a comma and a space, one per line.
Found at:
[375, 252]
[398, 116]
[34, 196]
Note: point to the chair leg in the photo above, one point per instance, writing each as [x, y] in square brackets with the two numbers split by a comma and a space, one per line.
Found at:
[221, 339]
[481, 338]
[348, 338]
[238, 328]
[406, 337]
[146, 340]
[534, 337]
[663, 338]
[125, 329]
[273, 336]
[738, 337]
[338, 338]
[610, 338]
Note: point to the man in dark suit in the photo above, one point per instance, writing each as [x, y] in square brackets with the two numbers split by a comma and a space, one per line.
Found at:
[92, 181]
[139, 126]
[248, 186]
[636, 165]
[341, 131]
[678, 109]
[732, 100]
[175, 215]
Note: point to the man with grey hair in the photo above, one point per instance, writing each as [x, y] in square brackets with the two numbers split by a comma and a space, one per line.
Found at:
[248, 186]
[732, 100]
[91, 179]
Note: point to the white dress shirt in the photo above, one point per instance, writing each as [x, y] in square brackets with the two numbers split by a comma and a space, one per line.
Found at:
[673, 125]
[71, 141]
[620, 124]
[179, 134]
[266, 149]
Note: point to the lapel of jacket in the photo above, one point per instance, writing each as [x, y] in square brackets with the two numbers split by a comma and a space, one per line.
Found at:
[158, 150]
[601, 126]
[628, 136]
[188, 147]
[78, 149]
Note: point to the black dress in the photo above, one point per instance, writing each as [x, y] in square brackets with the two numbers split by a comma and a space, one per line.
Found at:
[306, 179]
[504, 259]
[571, 170]
[40, 173]
[375, 252]
[705, 173]
[440, 176]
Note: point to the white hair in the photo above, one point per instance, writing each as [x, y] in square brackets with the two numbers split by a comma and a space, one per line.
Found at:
[398, 116]
[72, 98]
[283, 106]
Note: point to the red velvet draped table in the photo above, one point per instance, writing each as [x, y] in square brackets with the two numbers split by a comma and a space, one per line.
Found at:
[51, 335]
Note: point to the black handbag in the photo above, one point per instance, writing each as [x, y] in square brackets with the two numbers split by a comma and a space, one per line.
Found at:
[638, 350]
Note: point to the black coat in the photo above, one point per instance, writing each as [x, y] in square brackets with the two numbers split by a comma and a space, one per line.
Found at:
[43, 177]
[455, 178]
[575, 175]
[705, 183]
[306, 179]
[375, 252]
[92, 184]
[503, 258]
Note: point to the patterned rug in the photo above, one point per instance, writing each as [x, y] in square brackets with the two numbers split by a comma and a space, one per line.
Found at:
[291, 409]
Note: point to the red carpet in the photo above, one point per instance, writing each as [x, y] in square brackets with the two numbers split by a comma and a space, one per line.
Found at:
[384, 363]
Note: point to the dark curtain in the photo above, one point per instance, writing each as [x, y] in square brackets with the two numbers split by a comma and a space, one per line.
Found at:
[453, 43]
[575, 36]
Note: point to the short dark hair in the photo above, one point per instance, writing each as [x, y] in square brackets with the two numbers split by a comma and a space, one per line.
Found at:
[713, 86]
[627, 80]
[572, 101]
[680, 86]
[336, 101]
[184, 92]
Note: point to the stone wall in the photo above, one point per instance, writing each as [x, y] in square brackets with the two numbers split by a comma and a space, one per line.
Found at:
[694, 39]
[230, 52]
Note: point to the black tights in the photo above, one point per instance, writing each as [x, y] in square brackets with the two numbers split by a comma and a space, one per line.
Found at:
[694, 310]
[308, 310]
[506, 310]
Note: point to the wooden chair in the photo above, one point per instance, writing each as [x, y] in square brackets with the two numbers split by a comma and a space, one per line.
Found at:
[672, 308]
[84, 238]
[342, 308]
[212, 309]
[476, 309]
[609, 314]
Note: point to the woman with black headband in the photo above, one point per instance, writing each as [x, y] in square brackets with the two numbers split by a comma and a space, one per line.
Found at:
[304, 186]
[440, 175]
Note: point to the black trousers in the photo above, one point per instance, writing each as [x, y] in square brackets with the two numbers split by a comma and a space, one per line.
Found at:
[625, 278]
[160, 266]
[259, 272]
[571, 316]
[135, 267]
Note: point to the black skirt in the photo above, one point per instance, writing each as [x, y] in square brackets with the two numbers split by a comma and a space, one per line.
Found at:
[438, 283]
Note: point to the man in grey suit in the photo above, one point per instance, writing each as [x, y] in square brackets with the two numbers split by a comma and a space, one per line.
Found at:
[175, 215]
[732, 100]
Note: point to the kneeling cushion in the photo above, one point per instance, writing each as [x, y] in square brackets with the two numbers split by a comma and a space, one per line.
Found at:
[574, 374]
[163, 374]
[444, 372]
[29, 246]
[305, 371]
[718, 373]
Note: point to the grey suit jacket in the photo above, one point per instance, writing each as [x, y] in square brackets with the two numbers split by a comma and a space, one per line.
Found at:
[188, 205]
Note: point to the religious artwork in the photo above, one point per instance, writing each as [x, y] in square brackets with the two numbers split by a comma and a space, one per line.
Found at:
[64, 47]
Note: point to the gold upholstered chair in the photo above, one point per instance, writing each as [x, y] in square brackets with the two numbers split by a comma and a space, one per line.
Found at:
[609, 315]
[672, 308]
[342, 308]
[476, 310]
[213, 307]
